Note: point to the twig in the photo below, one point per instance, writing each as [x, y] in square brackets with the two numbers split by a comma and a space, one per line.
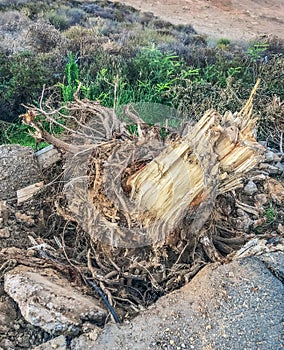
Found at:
[41, 97]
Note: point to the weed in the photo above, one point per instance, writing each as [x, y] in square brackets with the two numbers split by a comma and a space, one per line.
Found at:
[72, 79]
[270, 214]
[256, 51]
[223, 43]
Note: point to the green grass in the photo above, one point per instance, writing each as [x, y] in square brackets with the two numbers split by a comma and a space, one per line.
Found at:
[270, 214]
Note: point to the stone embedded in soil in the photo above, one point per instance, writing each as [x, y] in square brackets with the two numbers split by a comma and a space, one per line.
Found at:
[48, 301]
[250, 188]
[275, 190]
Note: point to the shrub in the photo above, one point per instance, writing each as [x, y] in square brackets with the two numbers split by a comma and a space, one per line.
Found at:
[22, 78]
[44, 37]
[223, 43]
[65, 17]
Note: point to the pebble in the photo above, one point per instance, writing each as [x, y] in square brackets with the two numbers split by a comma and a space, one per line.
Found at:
[261, 198]
[231, 274]
[280, 166]
[4, 232]
[250, 188]
[269, 156]
[280, 229]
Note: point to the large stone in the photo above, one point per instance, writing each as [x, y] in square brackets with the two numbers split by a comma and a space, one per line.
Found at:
[18, 169]
[235, 306]
[48, 301]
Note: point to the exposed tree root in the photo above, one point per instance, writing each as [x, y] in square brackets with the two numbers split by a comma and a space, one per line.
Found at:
[156, 208]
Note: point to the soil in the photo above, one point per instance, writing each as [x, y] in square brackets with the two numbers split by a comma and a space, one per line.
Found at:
[231, 19]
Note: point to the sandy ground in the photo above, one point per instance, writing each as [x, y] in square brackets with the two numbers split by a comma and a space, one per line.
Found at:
[236, 20]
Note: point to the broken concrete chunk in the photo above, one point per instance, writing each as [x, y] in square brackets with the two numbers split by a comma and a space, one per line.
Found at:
[48, 301]
[274, 262]
[85, 341]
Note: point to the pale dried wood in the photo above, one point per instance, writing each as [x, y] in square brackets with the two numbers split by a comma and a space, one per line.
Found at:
[166, 187]
[26, 193]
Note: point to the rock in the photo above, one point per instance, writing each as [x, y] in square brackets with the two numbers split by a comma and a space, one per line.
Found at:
[260, 200]
[250, 188]
[232, 306]
[271, 156]
[58, 343]
[18, 169]
[280, 229]
[4, 232]
[48, 301]
[280, 166]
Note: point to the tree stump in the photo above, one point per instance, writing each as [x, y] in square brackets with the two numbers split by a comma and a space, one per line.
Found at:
[133, 189]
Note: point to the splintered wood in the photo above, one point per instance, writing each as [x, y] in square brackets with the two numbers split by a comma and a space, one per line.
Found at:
[216, 146]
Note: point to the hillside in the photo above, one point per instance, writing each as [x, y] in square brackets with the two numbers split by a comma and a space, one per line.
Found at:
[235, 20]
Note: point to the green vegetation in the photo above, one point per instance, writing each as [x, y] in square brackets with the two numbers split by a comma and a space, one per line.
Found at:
[122, 56]
[223, 43]
[72, 79]
[270, 214]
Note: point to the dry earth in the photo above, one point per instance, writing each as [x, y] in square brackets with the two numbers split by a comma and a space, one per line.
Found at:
[232, 19]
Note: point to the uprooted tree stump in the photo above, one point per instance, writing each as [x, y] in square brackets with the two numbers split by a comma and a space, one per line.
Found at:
[133, 189]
